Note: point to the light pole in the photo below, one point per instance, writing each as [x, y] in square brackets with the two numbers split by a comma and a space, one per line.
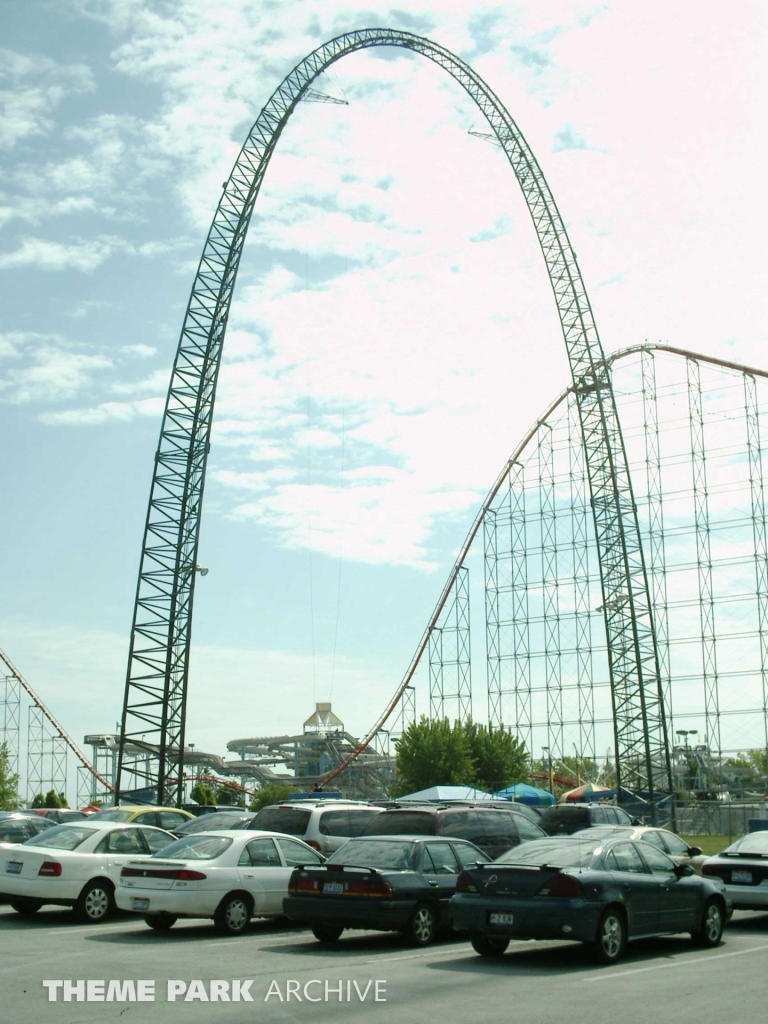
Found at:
[548, 757]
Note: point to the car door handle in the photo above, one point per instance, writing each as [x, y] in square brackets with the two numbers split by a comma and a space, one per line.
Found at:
[249, 874]
[435, 884]
[626, 886]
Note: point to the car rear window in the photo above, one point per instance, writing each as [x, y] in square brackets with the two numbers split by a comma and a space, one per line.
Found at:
[756, 843]
[571, 817]
[294, 821]
[400, 823]
[212, 822]
[555, 852]
[62, 837]
[202, 847]
[391, 854]
[113, 815]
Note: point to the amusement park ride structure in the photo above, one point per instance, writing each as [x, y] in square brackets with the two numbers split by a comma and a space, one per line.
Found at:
[153, 720]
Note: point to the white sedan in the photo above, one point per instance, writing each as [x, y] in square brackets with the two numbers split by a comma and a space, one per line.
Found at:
[230, 876]
[75, 865]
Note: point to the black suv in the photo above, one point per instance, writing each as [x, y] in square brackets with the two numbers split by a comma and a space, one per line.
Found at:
[492, 829]
[564, 819]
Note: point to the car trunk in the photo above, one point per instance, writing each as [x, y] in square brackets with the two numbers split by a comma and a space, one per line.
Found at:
[339, 883]
[158, 875]
[30, 862]
[518, 880]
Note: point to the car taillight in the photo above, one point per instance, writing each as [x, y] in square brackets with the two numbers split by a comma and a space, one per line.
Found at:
[561, 885]
[303, 884]
[711, 869]
[379, 888]
[51, 868]
[185, 875]
[312, 843]
[464, 883]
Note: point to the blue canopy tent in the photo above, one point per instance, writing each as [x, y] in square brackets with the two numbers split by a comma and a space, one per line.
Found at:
[439, 794]
[522, 793]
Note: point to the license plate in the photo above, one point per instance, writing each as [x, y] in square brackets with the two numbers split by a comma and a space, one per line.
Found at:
[140, 904]
[741, 876]
[333, 888]
[502, 918]
[13, 867]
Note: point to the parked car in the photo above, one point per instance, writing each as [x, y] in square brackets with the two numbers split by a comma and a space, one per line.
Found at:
[213, 822]
[492, 829]
[168, 818]
[325, 825]
[661, 838]
[565, 819]
[604, 892]
[58, 815]
[400, 883]
[19, 826]
[743, 869]
[71, 865]
[227, 875]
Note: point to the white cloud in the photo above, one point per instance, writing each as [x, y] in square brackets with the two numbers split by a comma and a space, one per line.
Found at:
[33, 86]
[52, 374]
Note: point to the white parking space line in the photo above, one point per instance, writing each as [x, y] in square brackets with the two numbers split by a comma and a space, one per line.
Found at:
[596, 976]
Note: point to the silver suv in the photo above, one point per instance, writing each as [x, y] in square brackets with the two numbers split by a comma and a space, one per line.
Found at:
[323, 824]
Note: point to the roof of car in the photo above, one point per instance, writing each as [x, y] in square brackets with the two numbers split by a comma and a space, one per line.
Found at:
[100, 823]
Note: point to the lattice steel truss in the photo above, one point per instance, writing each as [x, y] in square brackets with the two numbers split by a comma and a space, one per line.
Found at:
[156, 684]
[692, 427]
[10, 720]
[450, 657]
[46, 756]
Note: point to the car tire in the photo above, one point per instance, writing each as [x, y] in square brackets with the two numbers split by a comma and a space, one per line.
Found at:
[327, 932]
[95, 903]
[611, 939]
[422, 926]
[233, 914]
[487, 945]
[160, 922]
[25, 907]
[713, 922]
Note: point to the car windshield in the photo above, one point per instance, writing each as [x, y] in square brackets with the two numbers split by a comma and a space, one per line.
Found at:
[111, 815]
[213, 822]
[391, 854]
[755, 844]
[201, 847]
[62, 837]
[556, 852]
[291, 820]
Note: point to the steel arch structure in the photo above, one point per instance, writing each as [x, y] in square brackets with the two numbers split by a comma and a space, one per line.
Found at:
[154, 708]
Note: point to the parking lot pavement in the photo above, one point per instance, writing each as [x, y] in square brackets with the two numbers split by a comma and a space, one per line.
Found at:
[288, 971]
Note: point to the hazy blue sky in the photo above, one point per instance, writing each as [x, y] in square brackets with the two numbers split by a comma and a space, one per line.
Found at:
[393, 332]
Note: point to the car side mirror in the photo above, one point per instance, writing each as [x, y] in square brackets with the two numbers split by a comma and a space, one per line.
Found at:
[637, 821]
[694, 851]
[684, 870]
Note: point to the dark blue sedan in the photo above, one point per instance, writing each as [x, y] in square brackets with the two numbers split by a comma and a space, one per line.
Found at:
[389, 883]
[604, 892]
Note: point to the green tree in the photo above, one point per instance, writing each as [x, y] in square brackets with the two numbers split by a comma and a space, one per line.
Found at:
[51, 799]
[433, 753]
[499, 757]
[203, 794]
[229, 797]
[9, 782]
[274, 793]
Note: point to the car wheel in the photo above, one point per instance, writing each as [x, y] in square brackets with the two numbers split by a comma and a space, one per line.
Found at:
[711, 931]
[422, 925]
[326, 932]
[486, 945]
[611, 937]
[160, 922]
[25, 907]
[233, 915]
[95, 903]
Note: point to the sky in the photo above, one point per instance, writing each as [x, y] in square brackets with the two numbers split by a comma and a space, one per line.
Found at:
[393, 332]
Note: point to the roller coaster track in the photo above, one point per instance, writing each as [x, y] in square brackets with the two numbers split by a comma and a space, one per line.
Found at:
[65, 736]
[483, 511]
[154, 710]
